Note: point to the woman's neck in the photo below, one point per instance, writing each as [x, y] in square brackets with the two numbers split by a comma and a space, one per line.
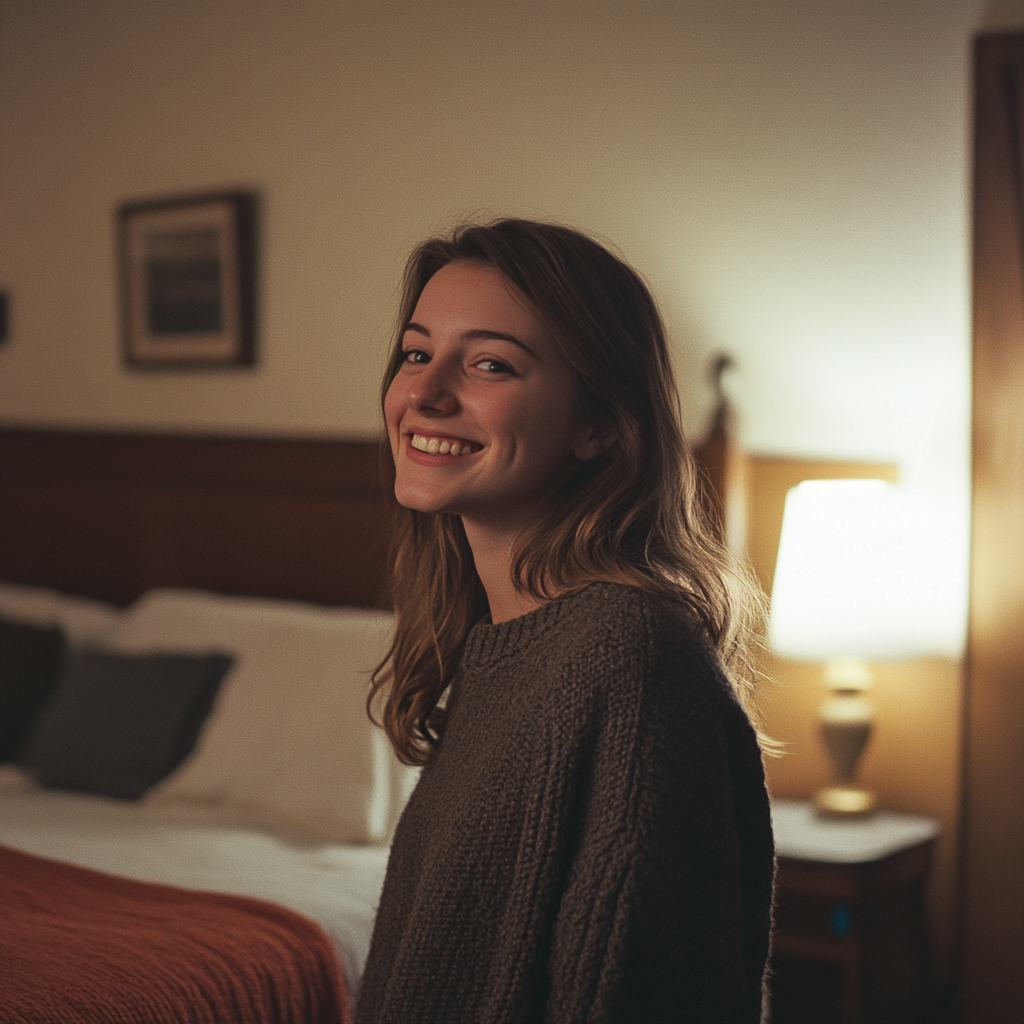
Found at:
[492, 556]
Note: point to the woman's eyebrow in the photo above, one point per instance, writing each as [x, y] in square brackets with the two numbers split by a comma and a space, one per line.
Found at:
[477, 334]
[483, 334]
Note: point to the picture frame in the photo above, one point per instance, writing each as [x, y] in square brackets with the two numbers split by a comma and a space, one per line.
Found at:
[188, 281]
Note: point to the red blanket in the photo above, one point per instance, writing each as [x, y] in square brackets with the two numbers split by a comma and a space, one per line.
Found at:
[79, 946]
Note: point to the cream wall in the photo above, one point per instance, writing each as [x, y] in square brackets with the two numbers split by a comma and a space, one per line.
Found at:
[791, 177]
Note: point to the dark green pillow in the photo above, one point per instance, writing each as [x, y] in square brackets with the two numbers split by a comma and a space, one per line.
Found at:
[30, 662]
[117, 723]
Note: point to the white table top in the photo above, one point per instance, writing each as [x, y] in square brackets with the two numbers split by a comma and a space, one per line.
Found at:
[802, 834]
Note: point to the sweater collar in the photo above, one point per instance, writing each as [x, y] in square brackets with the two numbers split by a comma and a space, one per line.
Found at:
[488, 643]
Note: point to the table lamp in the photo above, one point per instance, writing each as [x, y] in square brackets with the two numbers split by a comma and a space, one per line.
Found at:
[855, 582]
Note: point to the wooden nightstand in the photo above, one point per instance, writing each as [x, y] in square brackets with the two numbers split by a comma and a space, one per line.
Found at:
[850, 943]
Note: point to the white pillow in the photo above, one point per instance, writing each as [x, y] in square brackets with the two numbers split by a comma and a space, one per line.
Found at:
[86, 623]
[289, 736]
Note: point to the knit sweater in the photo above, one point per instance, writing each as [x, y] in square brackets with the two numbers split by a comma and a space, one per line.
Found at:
[591, 840]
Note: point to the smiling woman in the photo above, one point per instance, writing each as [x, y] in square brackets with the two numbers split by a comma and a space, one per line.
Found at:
[590, 836]
[482, 375]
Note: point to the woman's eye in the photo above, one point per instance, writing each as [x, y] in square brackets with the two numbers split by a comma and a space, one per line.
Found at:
[494, 366]
[415, 355]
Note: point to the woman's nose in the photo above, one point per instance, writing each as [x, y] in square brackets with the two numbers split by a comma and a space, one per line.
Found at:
[432, 390]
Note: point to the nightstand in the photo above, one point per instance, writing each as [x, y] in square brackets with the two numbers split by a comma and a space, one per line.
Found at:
[850, 943]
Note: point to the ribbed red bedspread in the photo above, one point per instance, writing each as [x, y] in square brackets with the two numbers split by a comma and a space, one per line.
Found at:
[83, 947]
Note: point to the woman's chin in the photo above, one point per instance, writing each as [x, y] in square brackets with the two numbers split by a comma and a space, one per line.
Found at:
[420, 500]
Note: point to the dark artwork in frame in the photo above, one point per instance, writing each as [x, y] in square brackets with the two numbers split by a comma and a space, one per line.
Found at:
[188, 280]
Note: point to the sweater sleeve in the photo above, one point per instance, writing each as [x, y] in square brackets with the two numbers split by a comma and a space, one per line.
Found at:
[665, 913]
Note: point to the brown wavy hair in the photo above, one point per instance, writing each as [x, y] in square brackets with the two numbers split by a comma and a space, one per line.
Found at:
[630, 516]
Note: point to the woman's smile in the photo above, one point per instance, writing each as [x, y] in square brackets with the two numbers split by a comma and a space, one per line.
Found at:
[442, 445]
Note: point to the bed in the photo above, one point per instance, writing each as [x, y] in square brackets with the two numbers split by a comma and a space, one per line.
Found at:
[242, 883]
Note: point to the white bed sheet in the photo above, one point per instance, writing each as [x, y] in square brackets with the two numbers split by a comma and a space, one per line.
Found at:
[203, 847]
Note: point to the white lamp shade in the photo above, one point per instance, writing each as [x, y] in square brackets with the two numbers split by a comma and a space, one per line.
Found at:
[859, 574]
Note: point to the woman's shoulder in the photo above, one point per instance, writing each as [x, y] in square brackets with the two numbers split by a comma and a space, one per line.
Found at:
[633, 614]
[662, 639]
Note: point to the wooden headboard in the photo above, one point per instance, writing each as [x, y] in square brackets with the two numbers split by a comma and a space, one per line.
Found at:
[110, 515]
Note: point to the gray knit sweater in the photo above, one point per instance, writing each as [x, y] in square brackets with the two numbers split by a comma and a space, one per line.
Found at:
[591, 841]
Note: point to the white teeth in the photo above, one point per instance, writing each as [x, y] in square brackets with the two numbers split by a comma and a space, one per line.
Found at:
[435, 446]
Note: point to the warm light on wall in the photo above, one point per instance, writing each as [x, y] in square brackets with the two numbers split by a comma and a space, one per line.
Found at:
[860, 576]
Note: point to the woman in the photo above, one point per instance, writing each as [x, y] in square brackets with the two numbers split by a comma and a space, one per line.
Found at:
[590, 836]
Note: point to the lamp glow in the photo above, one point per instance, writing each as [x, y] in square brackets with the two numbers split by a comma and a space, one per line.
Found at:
[858, 577]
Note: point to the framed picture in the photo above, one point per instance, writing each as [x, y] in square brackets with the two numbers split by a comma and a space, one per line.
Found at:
[188, 280]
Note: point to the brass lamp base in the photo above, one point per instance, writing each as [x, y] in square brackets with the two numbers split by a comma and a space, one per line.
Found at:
[844, 802]
[846, 718]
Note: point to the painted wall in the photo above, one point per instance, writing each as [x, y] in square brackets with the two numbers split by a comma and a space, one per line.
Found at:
[791, 177]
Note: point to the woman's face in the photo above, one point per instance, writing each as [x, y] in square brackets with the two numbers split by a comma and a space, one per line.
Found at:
[482, 378]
